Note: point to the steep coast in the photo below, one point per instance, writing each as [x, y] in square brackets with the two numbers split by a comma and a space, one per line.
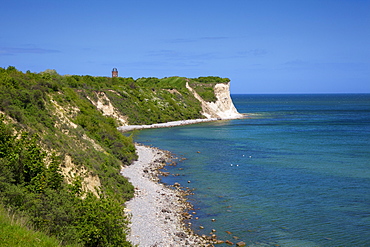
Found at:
[222, 109]
[71, 122]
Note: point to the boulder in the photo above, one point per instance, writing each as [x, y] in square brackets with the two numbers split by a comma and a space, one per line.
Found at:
[229, 242]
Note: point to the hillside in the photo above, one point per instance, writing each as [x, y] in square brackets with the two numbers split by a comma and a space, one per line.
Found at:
[61, 152]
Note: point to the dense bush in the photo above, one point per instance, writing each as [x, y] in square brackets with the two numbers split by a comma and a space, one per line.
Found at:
[32, 188]
[36, 190]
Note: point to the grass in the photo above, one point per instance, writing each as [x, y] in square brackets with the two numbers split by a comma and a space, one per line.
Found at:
[14, 233]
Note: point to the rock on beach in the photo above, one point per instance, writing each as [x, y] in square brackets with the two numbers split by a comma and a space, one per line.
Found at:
[156, 211]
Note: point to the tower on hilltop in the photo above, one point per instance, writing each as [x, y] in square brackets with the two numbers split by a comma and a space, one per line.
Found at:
[114, 72]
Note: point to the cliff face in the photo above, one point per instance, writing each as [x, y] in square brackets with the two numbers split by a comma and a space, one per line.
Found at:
[103, 104]
[223, 108]
[77, 116]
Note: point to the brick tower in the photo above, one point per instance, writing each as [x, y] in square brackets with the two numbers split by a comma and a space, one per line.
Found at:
[114, 72]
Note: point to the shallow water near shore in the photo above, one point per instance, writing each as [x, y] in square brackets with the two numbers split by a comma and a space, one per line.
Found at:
[296, 172]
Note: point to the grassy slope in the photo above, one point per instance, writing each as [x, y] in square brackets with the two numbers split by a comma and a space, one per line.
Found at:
[14, 233]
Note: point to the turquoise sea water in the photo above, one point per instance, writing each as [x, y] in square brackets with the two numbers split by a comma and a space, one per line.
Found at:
[295, 172]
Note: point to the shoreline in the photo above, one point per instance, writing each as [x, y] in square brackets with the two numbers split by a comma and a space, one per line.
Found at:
[157, 212]
[166, 125]
[127, 128]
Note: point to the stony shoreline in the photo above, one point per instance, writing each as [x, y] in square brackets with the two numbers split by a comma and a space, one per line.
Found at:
[157, 212]
[127, 128]
[166, 125]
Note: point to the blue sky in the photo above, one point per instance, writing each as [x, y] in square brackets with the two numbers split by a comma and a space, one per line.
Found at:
[263, 46]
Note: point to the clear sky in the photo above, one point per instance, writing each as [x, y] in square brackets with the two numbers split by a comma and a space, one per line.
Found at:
[263, 46]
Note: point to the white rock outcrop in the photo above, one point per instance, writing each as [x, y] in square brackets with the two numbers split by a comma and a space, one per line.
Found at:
[105, 106]
[90, 182]
[223, 108]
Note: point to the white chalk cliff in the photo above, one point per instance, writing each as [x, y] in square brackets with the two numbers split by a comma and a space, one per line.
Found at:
[223, 108]
[105, 106]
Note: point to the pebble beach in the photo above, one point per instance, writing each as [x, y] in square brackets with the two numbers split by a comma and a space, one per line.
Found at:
[157, 212]
[166, 125]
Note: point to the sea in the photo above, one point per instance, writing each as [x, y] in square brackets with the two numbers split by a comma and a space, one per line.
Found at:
[294, 172]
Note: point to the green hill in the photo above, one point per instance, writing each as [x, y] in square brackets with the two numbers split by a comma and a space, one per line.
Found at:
[61, 152]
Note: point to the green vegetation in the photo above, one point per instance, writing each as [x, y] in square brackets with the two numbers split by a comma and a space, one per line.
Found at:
[60, 156]
[30, 187]
[204, 86]
[14, 232]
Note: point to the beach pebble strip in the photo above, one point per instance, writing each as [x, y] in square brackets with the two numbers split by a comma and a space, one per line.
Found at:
[166, 125]
[156, 211]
